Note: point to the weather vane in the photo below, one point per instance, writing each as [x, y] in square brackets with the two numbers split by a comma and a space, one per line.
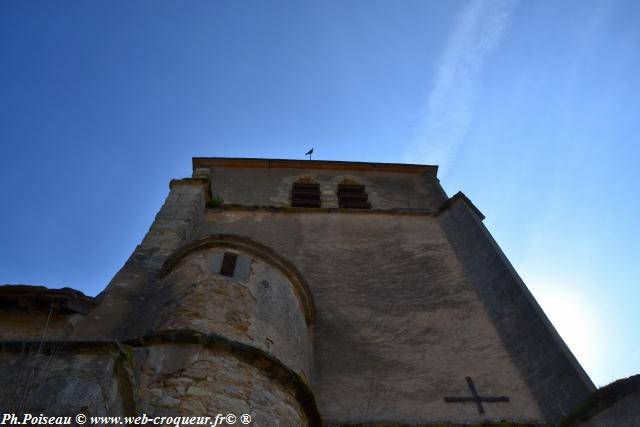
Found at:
[309, 153]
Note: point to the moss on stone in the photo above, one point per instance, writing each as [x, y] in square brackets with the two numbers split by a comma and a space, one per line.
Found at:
[127, 352]
[216, 201]
[123, 376]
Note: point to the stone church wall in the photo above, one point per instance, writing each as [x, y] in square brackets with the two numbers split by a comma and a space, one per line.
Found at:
[398, 323]
[64, 379]
[29, 312]
[164, 376]
[189, 379]
[272, 187]
[254, 324]
[614, 405]
[257, 306]
[370, 317]
[31, 325]
[625, 412]
[122, 310]
[554, 376]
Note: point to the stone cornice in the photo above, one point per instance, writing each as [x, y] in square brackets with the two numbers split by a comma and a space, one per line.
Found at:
[230, 162]
[198, 181]
[289, 209]
[460, 196]
[65, 299]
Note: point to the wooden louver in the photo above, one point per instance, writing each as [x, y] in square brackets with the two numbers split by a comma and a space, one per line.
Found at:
[353, 196]
[305, 195]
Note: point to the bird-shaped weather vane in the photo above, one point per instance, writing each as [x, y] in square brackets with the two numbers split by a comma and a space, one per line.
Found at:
[309, 153]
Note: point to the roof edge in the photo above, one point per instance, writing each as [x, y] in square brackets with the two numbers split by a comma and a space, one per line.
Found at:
[65, 298]
[235, 162]
[602, 399]
[462, 197]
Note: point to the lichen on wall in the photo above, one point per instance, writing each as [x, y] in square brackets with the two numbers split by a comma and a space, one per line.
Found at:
[258, 306]
[196, 381]
[272, 187]
[60, 379]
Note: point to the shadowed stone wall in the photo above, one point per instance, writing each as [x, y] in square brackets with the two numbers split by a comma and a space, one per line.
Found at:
[614, 405]
[31, 311]
[21, 324]
[398, 323]
[552, 373]
[272, 187]
[121, 304]
[58, 379]
[186, 374]
[257, 306]
[625, 412]
[190, 379]
[375, 315]
[257, 313]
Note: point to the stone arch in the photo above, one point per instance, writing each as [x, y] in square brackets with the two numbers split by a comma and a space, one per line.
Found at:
[263, 252]
[352, 192]
[349, 180]
[306, 192]
[305, 179]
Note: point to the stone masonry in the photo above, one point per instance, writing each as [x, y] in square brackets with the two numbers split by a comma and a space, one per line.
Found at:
[237, 302]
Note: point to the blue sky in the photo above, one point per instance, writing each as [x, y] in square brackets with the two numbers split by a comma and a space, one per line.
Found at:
[531, 108]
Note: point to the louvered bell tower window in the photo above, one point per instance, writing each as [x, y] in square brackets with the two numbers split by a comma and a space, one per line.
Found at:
[305, 195]
[353, 196]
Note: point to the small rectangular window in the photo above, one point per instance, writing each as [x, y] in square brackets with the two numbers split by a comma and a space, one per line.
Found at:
[228, 264]
[305, 195]
[352, 196]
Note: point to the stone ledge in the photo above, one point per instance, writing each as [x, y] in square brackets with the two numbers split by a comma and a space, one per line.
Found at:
[209, 162]
[195, 181]
[462, 197]
[31, 296]
[261, 360]
[289, 209]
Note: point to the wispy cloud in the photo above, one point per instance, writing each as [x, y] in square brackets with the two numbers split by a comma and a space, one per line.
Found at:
[448, 113]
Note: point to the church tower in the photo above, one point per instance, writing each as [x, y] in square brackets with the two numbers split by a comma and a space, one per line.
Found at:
[309, 293]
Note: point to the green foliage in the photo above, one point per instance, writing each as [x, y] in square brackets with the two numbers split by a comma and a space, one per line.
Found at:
[216, 201]
[127, 352]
